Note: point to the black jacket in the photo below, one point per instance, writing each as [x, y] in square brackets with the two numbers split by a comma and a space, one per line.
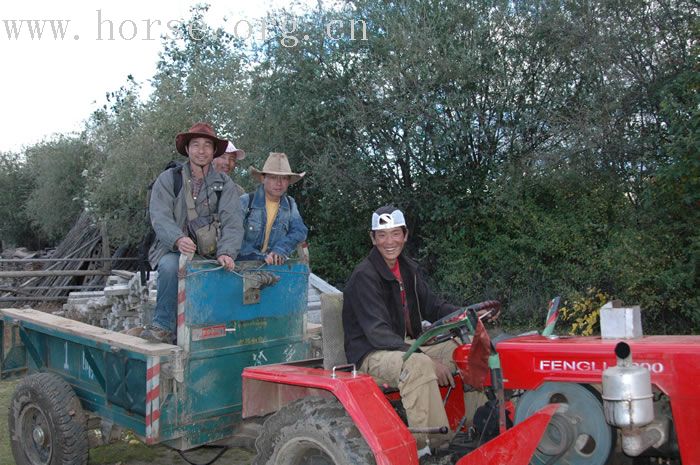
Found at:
[372, 311]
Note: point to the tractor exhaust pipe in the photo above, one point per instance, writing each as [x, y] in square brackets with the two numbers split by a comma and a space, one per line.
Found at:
[628, 404]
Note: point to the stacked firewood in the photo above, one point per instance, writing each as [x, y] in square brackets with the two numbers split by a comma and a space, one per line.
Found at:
[85, 242]
[123, 304]
[82, 242]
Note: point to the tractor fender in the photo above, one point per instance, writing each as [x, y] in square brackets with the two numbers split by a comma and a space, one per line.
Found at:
[517, 445]
[267, 389]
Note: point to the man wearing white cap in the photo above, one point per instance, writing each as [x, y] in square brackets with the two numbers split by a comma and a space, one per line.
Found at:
[226, 163]
[384, 303]
[271, 220]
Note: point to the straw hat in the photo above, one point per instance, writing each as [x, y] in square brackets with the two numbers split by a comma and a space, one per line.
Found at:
[200, 130]
[276, 164]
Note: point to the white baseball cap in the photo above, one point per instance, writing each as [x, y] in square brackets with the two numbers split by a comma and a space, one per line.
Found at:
[386, 218]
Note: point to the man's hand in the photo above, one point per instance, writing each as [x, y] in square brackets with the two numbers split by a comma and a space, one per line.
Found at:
[186, 246]
[227, 262]
[489, 315]
[275, 259]
[443, 373]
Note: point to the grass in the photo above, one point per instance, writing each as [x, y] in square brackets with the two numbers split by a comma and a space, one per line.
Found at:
[6, 390]
[123, 451]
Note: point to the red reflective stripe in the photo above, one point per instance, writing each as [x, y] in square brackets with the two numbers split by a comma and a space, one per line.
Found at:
[152, 394]
[153, 371]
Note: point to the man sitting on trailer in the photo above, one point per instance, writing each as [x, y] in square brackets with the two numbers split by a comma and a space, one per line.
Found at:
[384, 304]
[204, 213]
[272, 223]
[227, 163]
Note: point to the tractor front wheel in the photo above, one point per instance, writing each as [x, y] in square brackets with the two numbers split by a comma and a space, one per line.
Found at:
[47, 423]
[312, 431]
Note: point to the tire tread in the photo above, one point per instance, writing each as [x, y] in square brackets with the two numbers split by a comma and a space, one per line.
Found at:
[62, 407]
[327, 416]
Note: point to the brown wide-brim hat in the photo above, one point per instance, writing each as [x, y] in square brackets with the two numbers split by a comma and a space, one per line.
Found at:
[276, 164]
[200, 130]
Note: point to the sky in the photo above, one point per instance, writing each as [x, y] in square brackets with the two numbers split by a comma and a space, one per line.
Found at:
[51, 85]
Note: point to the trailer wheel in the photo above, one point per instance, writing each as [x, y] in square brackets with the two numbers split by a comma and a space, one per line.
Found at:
[311, 431]
[47, 423]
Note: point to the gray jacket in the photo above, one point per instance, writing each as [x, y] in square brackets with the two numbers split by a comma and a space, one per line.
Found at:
[169, 213]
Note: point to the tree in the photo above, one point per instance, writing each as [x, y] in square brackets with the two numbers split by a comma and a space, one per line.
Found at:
[58, 168]
[16, 183]
[196, 80]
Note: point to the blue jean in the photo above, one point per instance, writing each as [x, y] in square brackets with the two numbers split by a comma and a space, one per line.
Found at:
[165, 313]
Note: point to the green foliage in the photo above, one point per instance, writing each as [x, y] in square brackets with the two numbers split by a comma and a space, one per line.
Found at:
[196, 80]
[58, 168]
[537, 148]
[583, 312]
[16, 184]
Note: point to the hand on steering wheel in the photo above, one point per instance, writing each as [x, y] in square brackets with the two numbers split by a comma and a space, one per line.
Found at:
[457, 324]
[488, 310]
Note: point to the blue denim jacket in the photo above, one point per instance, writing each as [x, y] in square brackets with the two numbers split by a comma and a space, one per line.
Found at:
[287, 232]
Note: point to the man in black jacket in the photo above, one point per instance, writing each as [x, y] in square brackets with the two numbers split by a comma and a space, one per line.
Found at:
[384, 304]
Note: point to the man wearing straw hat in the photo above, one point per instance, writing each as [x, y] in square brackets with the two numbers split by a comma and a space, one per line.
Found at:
[227, 162]
[185, 220]
[272, 223]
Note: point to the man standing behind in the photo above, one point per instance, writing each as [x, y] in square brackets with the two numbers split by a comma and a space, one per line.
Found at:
[272, 223]
[204, 197]
[384, 303]
[227, 163]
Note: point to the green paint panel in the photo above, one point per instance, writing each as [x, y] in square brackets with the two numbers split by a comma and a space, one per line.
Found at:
[13, 356]
[125, 382]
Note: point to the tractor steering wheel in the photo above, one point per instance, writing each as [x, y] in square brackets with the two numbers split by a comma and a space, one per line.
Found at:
[459, 323]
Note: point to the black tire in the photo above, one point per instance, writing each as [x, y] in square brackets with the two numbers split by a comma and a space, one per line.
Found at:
[47, 423]
[311, 431]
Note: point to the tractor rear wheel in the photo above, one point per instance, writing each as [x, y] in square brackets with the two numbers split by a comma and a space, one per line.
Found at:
[47, 423]
[311, 431]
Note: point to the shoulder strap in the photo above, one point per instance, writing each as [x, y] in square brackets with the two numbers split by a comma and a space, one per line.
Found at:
[250, 204]
[189, 200]
[177, 179]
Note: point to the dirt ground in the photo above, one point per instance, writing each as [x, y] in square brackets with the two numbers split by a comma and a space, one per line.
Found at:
[121, 453]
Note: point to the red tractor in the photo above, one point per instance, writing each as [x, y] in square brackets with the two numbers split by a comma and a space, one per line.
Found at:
[553, 386]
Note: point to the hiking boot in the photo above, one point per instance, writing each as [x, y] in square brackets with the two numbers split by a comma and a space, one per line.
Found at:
[156, 334]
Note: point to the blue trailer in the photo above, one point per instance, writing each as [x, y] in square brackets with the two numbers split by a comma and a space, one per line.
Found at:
[183, 395]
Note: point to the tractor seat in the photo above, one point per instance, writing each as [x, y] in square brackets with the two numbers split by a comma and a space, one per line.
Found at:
[333, 338]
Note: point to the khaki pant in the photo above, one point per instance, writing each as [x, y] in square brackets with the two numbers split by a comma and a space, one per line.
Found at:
[417, 383]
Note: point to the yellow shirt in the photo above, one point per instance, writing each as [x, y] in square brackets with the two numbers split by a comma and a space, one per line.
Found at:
[271, 208]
